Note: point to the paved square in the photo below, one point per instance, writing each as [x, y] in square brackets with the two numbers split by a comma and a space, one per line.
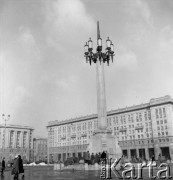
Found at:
[47, 173]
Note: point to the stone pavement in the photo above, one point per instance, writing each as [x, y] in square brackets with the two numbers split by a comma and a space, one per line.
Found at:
[47, 173]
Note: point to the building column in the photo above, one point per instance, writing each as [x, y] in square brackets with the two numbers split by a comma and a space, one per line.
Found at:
[61, 156]
[21, 139]
[129, 154]
[14, 139]
[157, 150]
[171, 151]
[147, 153]
[137, 152]
[8, 143]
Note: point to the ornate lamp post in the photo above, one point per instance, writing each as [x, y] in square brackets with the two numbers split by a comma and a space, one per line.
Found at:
[102, 138]
[48, 145]
[5, 118]
[100, 58]
[99, 55]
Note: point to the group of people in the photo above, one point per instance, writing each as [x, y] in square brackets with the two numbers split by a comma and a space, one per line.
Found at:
[17, 167]
[95, 158]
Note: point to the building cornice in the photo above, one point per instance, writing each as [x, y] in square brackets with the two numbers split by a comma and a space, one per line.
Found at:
[153, 103]
[16, 126]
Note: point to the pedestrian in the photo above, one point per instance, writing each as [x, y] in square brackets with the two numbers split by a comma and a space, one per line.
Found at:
[92, 158]
[122, 163]
[122, 160]
[21, 170]
[3, 166]
[87, 157]
[15, 168]
[159, 160]
[103, 157]
[99, 157]
[153, 158]
[96, 158]
[107, 154]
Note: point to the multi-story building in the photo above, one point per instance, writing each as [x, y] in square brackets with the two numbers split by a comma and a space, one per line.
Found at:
[40, 149]
[16, 139]
[142, 130]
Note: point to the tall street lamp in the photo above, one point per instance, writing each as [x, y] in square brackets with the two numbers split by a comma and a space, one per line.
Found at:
[5, 118]
[97, 142]
[48, 141]
[99, 55]
[100, 58]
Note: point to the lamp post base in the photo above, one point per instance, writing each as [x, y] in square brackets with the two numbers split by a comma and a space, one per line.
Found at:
[103, 140]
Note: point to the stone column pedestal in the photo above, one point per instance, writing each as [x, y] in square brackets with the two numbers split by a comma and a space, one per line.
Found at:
[157, 150]
[105, 141]
[171, 151]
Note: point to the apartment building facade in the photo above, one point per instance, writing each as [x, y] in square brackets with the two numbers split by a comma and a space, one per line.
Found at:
[14, 140]
[40, 149]
[142, 131]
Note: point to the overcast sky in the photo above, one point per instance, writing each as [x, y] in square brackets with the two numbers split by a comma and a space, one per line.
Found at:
[43, 74]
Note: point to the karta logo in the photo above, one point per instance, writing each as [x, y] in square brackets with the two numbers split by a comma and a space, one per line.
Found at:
[128, 170]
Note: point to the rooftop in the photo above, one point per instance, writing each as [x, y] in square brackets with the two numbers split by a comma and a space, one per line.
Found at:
[153, 102]
[16, 126]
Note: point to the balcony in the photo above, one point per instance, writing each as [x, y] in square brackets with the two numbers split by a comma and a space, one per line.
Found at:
[63, 137]
[73, 136]
[84, 135]
[139, 127]
[123, 130]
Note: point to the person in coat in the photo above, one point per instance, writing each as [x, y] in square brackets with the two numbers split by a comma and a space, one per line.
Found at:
[92, 158]
[15, 168]
[87, 157]
[21, 170]
[103, 157]
[3, 167]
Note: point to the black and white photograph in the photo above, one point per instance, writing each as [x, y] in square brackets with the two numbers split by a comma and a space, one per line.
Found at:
[86, 89]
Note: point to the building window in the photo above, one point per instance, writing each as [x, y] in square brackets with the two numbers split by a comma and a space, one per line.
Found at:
[145, 115]
[160, 113]
[157, 114]
[165, 121]
[164, 112]
[157, 122]
[149, 115]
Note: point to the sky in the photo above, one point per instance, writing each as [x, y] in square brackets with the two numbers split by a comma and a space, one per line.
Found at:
[43, 73]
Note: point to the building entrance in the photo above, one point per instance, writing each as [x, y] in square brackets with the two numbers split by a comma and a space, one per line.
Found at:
[133, 154]
[151, 152]
[125, 152]
[64, 156]
[79, 155]
[165, 152]
[59, 156]
[142, 153]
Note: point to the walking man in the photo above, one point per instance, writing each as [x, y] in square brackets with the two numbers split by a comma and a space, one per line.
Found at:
[3, 166]
[21, 169]
[15, 168]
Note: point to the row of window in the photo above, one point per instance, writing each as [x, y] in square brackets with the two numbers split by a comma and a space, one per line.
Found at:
[161, 112]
